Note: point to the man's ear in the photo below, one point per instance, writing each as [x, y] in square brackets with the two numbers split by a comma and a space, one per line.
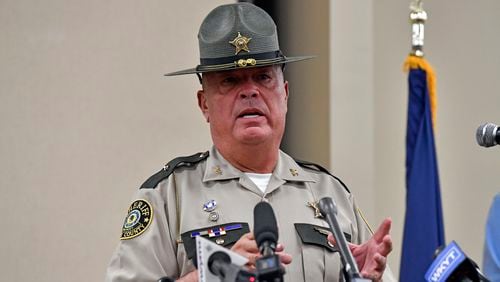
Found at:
[202, 104]
[286, 90]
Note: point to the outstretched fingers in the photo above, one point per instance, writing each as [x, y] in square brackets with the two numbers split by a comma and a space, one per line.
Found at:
[383, 230]
[386, 247]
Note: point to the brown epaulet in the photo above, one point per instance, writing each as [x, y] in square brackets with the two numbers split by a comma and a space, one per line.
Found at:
[318, 167]
[165, 172]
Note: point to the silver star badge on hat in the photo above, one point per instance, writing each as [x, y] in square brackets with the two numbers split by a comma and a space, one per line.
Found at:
[241, 43]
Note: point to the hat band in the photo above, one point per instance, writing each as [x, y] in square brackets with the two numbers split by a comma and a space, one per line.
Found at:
[232, 59]
[241, 63]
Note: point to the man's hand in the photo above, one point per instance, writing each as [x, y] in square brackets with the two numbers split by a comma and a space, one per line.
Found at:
[247, 247]
[371, 256]
[284, 257]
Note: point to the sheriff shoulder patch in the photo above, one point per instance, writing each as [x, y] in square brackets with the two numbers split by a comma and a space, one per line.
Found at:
[139, 217]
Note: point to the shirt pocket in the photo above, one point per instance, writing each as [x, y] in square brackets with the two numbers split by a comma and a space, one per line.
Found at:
[320, 259]
[224, 235]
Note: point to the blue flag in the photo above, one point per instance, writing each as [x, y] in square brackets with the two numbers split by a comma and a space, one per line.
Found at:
[423, 230]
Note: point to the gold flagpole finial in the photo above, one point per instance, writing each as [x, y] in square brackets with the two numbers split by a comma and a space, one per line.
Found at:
[417, 19]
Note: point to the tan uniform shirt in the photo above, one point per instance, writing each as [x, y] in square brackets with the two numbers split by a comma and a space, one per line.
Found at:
[177, 207]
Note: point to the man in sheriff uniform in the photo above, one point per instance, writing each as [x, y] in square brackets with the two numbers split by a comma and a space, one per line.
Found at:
[212, 194]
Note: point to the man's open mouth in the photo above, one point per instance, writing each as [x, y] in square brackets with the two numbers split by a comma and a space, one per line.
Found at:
[251, 113]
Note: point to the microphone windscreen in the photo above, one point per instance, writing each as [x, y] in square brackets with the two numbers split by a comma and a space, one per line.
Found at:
[217, 258]
[265, 227]
[486, 134]
[327, 206]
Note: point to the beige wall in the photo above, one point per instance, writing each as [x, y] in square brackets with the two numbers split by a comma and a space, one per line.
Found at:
[461, 43]
[373, 40]
[86, 115]
[308, 124]
[352, 98]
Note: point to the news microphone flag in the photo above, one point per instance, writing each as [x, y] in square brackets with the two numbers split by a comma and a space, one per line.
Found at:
[423, 230]
[446, 262]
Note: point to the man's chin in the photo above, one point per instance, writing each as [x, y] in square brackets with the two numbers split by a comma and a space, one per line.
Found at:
[254, 136]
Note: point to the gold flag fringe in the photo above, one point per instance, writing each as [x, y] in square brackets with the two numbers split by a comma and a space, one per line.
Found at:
[414, 62]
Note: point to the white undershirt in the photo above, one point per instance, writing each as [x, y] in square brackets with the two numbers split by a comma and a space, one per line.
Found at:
[260, 179]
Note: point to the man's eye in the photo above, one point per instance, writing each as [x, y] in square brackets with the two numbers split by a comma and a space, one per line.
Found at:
[229, 80]
[264, 76]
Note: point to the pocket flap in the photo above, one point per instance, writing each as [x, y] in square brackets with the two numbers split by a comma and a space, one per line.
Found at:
[224, 235]
[317, 235]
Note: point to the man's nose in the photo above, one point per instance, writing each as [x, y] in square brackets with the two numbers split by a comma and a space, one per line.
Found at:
[249, 90]
[248, 94]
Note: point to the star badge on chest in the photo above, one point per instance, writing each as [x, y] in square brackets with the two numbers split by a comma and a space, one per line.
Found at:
[315, 206]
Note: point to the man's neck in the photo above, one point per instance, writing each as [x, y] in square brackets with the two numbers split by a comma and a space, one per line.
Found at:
[252, 158]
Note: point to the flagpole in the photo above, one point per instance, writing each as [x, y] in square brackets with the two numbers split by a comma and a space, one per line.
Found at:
[417, 19]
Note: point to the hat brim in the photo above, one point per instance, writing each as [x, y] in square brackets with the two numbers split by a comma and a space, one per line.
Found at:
[233, 66]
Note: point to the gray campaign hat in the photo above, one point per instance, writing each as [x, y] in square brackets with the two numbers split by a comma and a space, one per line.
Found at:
[236, 36]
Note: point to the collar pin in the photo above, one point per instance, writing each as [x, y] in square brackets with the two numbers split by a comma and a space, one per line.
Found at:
[217, 170]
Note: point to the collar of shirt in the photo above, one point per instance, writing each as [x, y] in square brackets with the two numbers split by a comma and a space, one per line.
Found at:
[286, 170]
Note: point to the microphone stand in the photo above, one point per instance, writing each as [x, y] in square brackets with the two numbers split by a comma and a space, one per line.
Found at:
[350, 268]
[269, 269]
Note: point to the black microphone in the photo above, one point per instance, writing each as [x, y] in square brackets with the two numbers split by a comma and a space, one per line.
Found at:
[265, 228]
[453, 265]
[219, 263]
[329, 210]
[488, 135]
[266, 234]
